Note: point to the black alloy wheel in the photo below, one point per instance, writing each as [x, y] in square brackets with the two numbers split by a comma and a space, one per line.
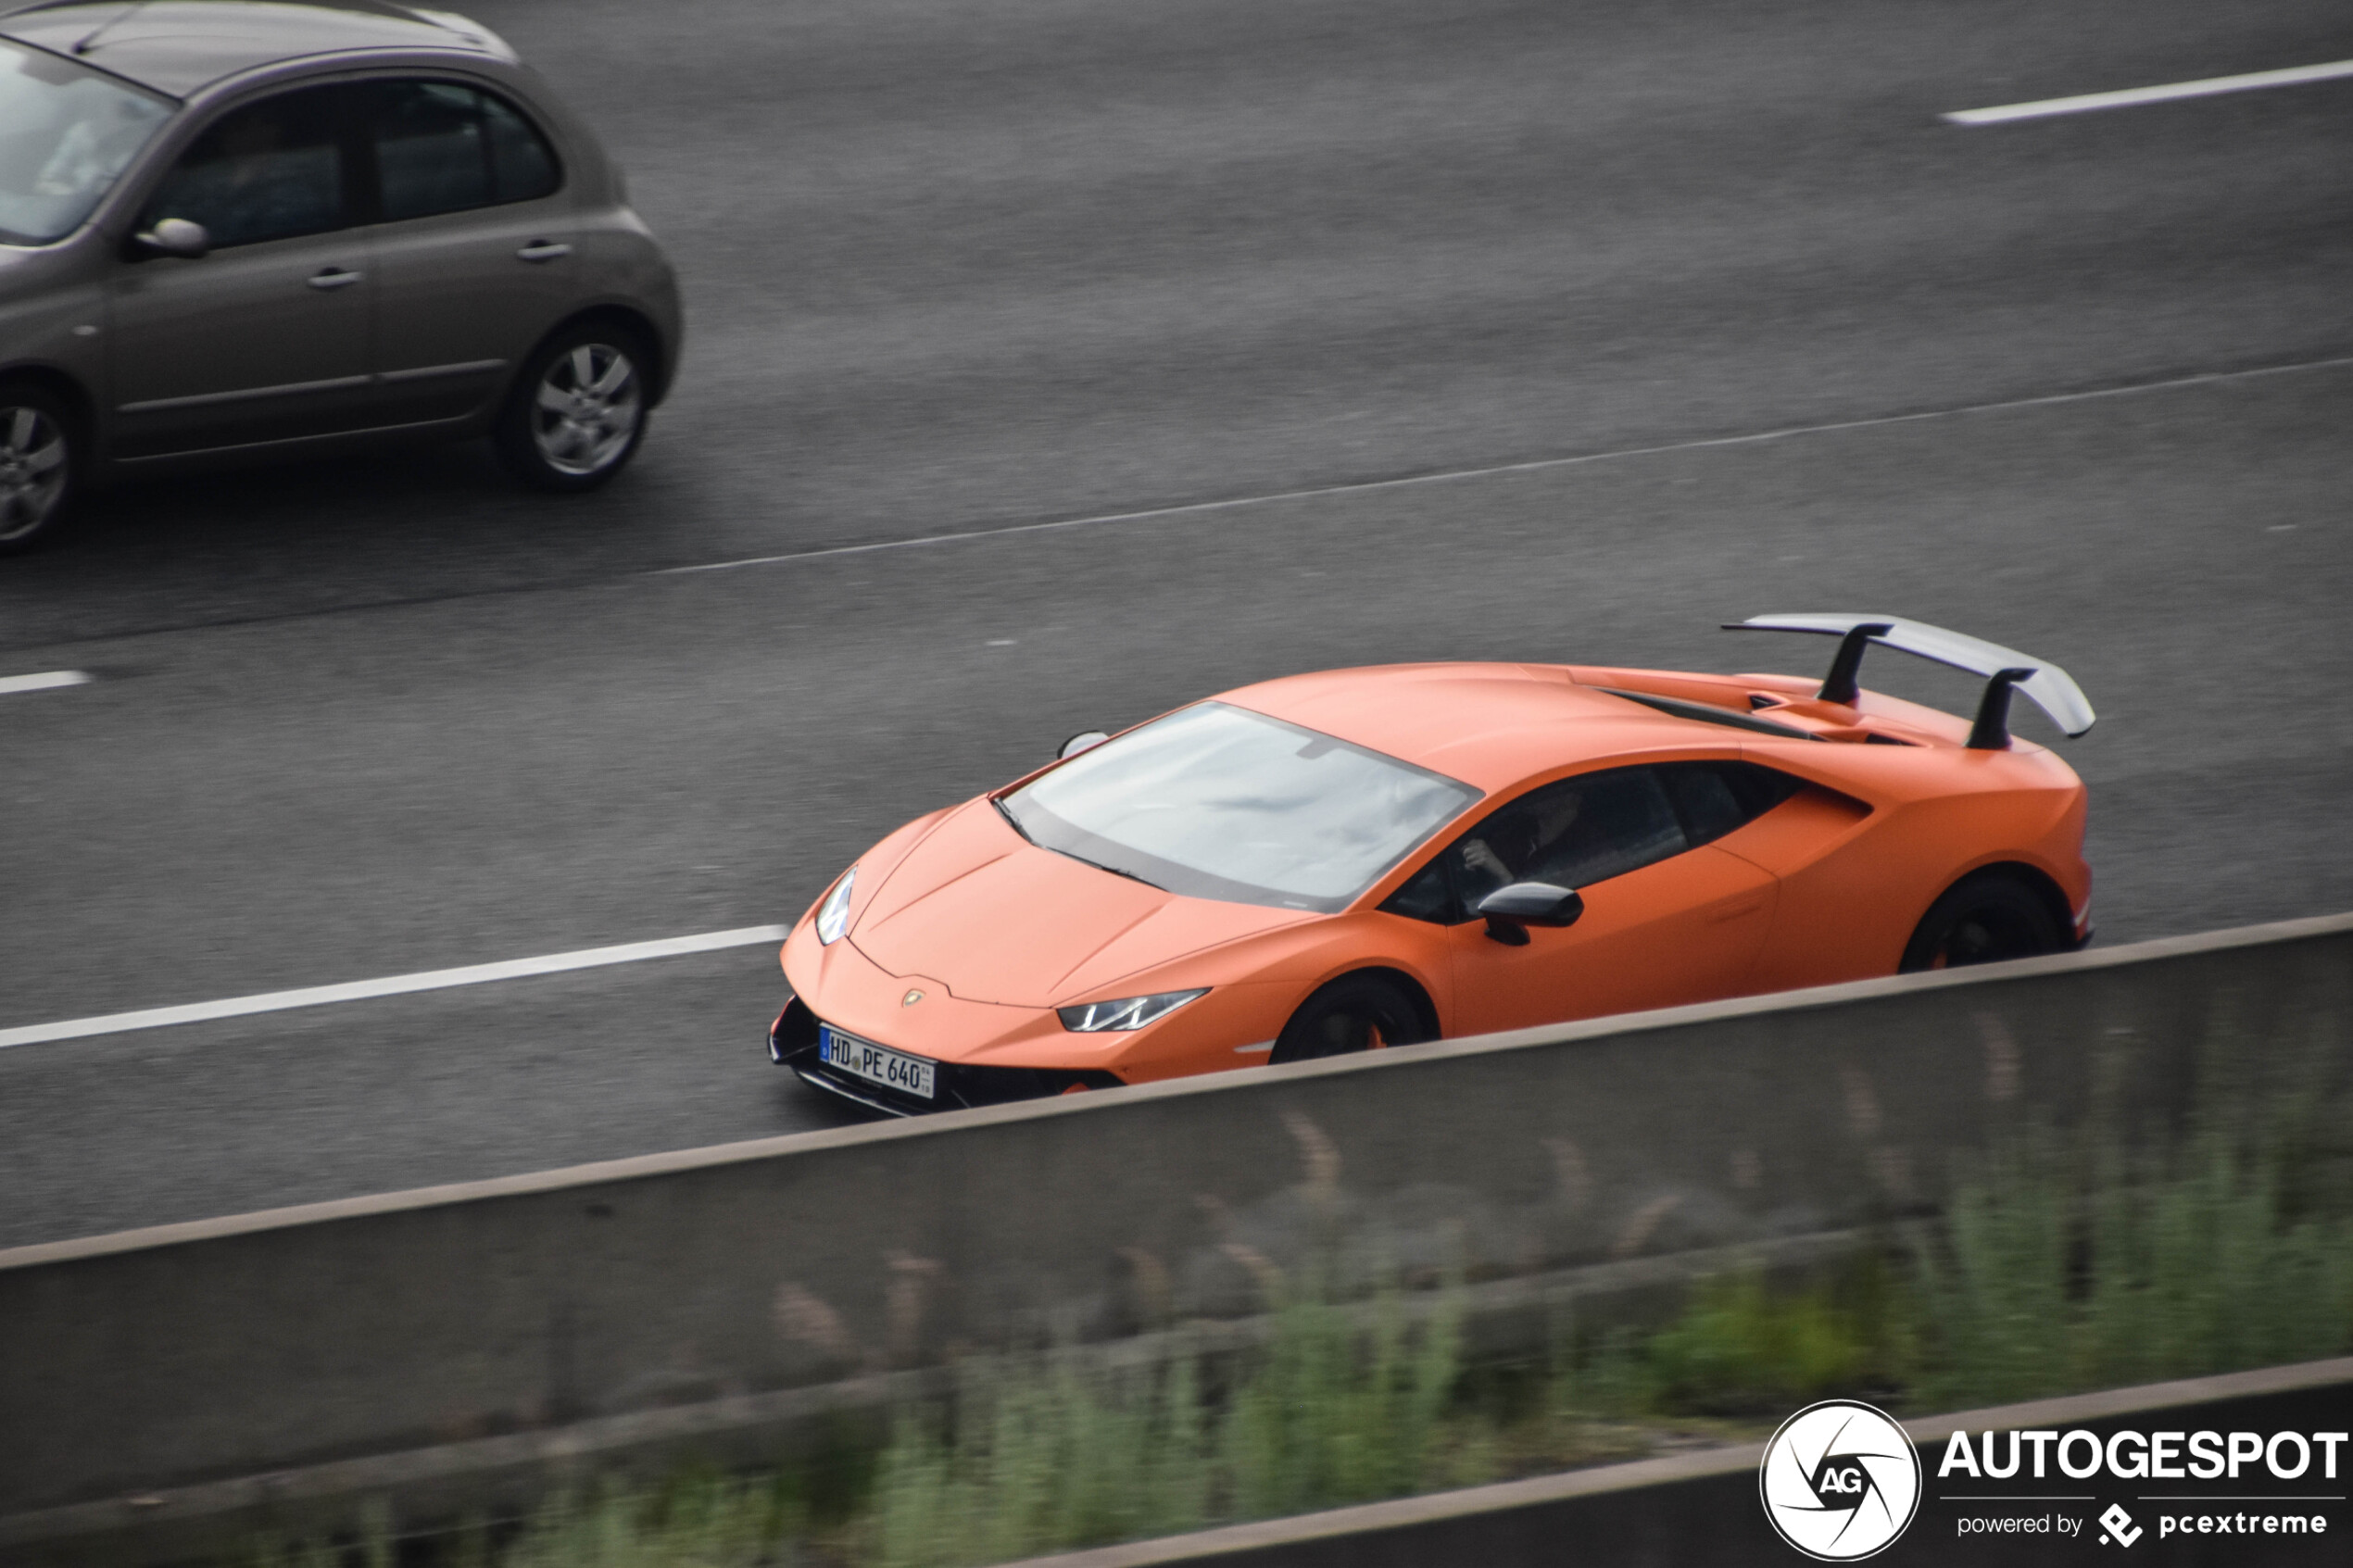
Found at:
[1983, 919]
[38, 461]
[578, 411]
[1355, 1012]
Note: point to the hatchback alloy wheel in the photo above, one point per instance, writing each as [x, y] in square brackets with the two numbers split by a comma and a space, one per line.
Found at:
[35, 467]
[588, 407]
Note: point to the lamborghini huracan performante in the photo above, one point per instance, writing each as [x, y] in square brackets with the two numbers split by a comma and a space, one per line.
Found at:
[1363, 858]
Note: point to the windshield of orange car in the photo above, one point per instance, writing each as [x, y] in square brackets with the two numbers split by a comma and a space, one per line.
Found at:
[67, 133]
[1214, 801]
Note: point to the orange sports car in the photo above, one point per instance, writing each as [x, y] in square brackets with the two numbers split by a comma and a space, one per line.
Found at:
[1370, 857]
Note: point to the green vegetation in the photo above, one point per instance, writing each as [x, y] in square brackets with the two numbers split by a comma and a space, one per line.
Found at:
[2049, 1274]
[2042, 1290]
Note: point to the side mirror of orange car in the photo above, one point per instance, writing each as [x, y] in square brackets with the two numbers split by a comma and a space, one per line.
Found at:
[1085, 740]
[1510, 910]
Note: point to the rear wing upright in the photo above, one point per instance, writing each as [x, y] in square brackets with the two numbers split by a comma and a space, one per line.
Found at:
[2046, 685]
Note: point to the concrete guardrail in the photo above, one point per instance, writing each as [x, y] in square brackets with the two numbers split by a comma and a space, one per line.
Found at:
[214, 1353]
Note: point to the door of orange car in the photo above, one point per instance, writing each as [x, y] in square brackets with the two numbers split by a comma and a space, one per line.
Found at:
[1667, 918]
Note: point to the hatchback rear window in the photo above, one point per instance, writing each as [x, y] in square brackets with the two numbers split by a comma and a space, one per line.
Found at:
[1220, 802]
[444, 147]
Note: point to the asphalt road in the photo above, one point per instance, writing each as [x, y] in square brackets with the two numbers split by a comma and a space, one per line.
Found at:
[958, 267]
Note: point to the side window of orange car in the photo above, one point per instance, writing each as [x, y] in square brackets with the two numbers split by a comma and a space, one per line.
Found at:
[1713, 798]
[1428, 895]
[1572, 833]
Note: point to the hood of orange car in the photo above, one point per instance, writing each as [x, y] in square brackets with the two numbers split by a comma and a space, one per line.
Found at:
[995, 919]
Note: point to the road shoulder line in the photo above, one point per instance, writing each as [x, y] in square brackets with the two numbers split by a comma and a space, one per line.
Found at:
[1538, 464]
[390, 986]
[2128, 97]
[46, 680]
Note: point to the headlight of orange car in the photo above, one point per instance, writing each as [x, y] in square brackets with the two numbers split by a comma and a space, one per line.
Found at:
[832, 915]
[1129, 1012]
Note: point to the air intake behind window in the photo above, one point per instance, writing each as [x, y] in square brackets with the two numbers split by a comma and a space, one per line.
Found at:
[1675, 708]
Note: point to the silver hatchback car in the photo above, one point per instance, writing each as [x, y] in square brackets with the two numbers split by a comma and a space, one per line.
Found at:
[233, 229]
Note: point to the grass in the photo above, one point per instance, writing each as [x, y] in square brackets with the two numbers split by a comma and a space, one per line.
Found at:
[2050, 1272]
[2042, 1288]
[1020, 1466]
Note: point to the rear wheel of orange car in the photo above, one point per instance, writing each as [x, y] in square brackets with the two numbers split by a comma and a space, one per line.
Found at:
[1983, 919]
[1355, 1012]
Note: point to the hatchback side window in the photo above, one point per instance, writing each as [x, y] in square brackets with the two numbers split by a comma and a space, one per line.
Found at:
[444, 147]
[522, 166]
[1572, 834]
[1714, 798]
[270, 170]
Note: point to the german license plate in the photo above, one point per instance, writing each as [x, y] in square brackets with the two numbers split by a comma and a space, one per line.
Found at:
[877, 1064]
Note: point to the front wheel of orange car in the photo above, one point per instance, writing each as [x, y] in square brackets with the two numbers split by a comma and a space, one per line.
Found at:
[1355, 1012]
[1984, 919]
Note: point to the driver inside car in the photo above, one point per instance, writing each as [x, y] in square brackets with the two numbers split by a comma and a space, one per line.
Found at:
[1519, 844]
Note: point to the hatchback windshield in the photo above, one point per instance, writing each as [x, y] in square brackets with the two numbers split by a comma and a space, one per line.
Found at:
[1218, 802]
[66, 133]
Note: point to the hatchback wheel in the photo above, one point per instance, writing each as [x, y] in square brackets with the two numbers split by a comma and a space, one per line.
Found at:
[579, 409]
[37, 461]
[1355, 1012]
[1982, 919]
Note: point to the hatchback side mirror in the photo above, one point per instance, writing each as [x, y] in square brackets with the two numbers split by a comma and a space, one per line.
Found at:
[1510, 910]
[1085, 740]
[175, 236]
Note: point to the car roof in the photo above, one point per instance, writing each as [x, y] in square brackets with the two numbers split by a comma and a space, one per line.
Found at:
[1489, 726]
[178, 46]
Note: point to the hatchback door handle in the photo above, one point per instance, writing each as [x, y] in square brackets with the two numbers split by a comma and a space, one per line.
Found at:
[544, 250]
[336, 278]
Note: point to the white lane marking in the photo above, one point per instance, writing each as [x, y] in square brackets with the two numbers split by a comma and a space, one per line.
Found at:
[1540, 465]
[2084, 102]
[47, 681]
[391, 985]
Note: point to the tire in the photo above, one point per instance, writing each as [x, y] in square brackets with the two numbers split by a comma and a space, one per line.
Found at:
[1346, 1016]
[578, 411]
[40, 461]
[1983, 919]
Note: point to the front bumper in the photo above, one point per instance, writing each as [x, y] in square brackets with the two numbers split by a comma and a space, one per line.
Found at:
[792, 1042]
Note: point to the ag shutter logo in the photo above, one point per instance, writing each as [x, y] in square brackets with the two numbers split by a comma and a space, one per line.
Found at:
[1840, 1481]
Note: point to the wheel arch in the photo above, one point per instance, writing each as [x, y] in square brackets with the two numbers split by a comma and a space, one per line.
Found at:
[635, 320]
[1414, 990]
[67, 389]
[2035, 879]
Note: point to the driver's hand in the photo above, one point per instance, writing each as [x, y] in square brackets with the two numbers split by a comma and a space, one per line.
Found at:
[1476, 853]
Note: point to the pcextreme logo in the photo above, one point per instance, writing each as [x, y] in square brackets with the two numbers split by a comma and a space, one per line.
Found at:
[1840, 1481]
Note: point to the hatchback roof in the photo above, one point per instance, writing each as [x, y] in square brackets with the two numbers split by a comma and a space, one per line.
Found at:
[176, 46]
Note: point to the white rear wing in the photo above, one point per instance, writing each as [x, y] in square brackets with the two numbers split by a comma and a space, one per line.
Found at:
[2049, 686]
